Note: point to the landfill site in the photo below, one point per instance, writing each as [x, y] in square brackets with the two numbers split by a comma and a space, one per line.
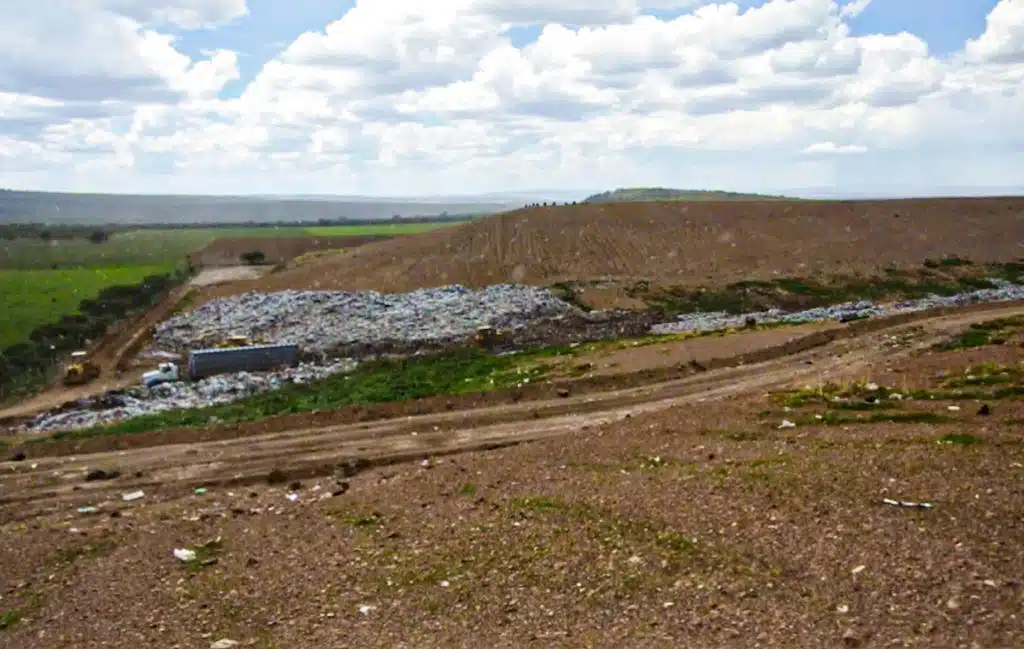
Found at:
[756, 424]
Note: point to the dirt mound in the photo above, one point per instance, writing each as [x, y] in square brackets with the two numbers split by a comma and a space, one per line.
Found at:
[672, 243]
[226, 251]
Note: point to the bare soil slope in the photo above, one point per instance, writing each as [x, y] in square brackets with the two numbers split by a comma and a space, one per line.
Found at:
[676, 243]
[226, 251]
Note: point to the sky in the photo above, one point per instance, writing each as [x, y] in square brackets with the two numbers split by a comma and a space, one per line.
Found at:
[415, 98]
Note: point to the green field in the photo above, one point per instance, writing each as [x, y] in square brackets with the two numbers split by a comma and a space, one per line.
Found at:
[159, 247]
[35, 297]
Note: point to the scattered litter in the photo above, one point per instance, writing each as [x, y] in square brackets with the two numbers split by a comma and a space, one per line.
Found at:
[904, 503]
[87, 510]
[953, 408]
[715, 320]
[787, 424]
[871, 387]
[200, 491]
[366, 609]
[445, 584]
[294, 497]
[859, 569]
[184, 554]
[134, 495]
[842, 608]
[224, 644]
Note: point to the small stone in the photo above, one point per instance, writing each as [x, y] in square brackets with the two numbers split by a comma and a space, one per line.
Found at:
[984, 410]
[953, 603]
[851, 639]
[18, 457]
[295, 486]
[562, 392]
[100, 474]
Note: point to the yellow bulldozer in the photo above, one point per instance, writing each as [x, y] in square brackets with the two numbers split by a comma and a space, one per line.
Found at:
[489, 337]
[81, 370]
[239, 341]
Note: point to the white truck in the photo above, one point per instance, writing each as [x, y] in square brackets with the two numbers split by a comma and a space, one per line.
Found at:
[164, 373]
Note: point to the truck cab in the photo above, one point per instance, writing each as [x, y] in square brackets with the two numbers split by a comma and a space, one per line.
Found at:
[164, 373]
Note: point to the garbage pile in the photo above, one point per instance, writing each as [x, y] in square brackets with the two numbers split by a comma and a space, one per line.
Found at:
[319, 321]
[712, 321]
[117, 405]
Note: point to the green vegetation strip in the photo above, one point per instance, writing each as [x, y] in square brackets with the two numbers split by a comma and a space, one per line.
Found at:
[943, 277]
[462, 372]
[993, 332]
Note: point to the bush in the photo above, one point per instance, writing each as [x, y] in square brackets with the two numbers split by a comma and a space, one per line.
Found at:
[253, 257]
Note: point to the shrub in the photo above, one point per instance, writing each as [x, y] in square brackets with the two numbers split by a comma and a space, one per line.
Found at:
[253, 257]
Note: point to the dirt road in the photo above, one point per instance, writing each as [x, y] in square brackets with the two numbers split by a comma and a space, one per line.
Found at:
[57, 481]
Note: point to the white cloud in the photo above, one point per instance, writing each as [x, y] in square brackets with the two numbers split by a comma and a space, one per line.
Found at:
[1003, 40]
[407, 96]
[831, 148]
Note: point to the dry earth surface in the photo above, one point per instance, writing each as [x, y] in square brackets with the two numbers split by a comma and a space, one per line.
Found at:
[226, 251]
[707, 243]
[669, 514]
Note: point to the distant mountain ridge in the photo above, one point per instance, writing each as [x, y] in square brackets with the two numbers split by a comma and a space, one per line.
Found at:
[125, 209]
[651, 194]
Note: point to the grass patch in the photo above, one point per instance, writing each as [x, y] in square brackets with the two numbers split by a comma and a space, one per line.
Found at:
[468, 490]
[961, 439]
[834, 418]
[32, 298]
[981, 334]
[207, 555]
[8, 619]
[536, 504]
[460, 372]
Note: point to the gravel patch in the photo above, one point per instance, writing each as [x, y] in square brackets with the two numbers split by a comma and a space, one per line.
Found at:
[711, 321]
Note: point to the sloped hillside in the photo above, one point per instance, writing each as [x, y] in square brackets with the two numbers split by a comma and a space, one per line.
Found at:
[672, 243]
[655, 194]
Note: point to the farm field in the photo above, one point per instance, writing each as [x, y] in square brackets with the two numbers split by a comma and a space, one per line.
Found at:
[35, 297]
[166, 246]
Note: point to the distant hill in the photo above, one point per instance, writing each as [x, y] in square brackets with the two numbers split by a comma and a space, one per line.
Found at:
[652, 194]
[123, 209]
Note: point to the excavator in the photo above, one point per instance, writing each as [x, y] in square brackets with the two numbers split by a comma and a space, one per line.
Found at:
[81, 370]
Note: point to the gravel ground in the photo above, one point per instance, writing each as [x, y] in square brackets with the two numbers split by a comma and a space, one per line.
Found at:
[323, 320]
[699, 526]
[711, 321]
